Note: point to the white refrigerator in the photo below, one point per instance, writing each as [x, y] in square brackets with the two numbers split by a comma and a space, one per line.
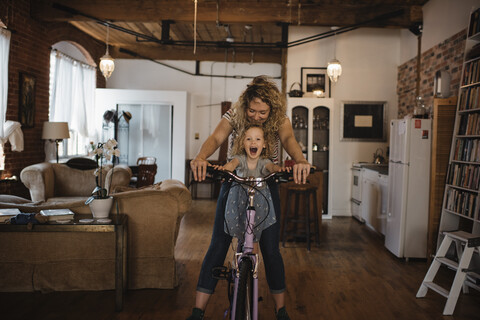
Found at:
[408, 187]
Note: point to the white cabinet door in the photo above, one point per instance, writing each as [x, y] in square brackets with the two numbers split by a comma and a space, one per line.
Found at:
[371, 198]
[382, 219]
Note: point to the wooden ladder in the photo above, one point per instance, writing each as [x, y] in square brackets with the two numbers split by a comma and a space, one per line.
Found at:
[464, 277]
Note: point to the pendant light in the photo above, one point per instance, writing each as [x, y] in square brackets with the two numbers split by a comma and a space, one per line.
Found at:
[107, 64]
[334, 68]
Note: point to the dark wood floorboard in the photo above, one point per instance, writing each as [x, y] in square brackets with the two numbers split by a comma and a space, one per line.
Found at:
[349, 276]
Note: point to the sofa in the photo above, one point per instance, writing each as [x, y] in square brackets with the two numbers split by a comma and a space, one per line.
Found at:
[58, 182]
[35, 261]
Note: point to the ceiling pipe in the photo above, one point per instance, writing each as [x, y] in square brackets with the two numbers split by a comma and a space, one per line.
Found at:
[344, 29]
[197, 73]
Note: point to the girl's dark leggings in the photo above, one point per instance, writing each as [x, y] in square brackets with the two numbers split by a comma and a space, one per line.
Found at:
[220, 243]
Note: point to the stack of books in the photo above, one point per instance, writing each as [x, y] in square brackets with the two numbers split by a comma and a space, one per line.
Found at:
[57, 214]
[6, 214]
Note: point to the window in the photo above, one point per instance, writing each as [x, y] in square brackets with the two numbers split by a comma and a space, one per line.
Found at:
[72, 94]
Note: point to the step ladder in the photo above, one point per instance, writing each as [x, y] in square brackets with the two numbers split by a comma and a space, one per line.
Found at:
[466, 244]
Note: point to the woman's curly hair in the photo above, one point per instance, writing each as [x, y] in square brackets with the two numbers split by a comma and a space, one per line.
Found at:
[239, 149]
[265, 89]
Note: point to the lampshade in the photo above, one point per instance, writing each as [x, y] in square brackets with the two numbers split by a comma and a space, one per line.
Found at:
[334, 70]
[55, 131]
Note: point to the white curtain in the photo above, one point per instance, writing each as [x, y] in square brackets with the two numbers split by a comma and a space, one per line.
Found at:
[73, 94]
[4, 52]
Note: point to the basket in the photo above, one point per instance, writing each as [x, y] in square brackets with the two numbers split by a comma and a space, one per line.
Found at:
[295, 93]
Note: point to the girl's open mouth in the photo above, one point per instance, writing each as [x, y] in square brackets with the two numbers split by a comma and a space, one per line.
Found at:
[253, 150]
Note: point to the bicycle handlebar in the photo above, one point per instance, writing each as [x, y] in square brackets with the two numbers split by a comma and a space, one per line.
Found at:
[282, 176]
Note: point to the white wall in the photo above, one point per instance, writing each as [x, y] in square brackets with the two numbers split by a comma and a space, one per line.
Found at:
[369, 59]
[203, 91]
[441, 20]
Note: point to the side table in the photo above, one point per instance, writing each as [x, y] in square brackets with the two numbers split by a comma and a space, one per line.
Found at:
[118, 225]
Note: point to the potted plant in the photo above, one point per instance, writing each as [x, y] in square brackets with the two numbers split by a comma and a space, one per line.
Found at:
[100, 201]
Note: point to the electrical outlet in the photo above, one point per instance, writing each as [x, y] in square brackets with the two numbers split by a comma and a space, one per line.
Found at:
[197, 136]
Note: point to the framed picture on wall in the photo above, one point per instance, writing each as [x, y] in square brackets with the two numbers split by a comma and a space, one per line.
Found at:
[26, 108]
[315, 82]
[363, 121]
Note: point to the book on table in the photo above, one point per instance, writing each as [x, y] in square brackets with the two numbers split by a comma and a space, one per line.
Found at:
[6, 214]
[57, 214]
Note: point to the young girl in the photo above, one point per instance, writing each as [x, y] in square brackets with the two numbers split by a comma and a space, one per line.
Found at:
[251, 154]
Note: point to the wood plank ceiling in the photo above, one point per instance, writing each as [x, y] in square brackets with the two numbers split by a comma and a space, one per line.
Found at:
[248, 30]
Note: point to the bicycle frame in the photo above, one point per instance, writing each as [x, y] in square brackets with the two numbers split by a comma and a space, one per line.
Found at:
[247, 252]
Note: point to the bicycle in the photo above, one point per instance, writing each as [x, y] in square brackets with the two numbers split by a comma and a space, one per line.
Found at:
[243, 274]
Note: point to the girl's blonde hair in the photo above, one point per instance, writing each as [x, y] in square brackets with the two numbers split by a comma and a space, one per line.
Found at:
[265, 89]
[239, 149]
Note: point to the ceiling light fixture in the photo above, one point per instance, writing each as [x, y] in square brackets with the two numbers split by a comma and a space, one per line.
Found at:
[107, 64]
[334, 68]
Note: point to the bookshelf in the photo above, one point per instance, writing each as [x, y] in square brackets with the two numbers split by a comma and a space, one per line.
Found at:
[461, 200]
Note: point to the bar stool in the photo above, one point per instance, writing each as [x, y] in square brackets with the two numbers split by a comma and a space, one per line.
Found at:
[307, 192]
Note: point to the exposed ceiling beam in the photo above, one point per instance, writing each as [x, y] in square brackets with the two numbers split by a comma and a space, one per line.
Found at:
[318, 13]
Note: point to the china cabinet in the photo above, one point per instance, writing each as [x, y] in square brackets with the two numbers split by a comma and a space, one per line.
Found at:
[310, 119]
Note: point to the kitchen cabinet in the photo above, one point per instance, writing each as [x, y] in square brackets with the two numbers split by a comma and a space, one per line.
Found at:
[310, 119]
[374, 199]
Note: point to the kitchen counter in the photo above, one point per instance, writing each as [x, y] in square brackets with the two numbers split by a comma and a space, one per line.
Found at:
[380, 168]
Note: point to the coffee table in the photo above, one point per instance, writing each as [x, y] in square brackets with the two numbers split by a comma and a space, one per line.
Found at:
[118, 225]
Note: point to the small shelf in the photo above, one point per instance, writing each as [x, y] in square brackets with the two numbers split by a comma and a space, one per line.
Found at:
[460, 215]
[461, 188]
[466, 162]
[475, 37]
[469, 111]
[466, 86]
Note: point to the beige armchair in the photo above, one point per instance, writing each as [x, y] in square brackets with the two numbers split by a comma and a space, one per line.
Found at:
[57, 182]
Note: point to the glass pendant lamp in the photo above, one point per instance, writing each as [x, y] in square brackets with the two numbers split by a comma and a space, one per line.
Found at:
[107, 64]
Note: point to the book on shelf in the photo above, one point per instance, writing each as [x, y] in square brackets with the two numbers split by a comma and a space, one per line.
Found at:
[57, 214]
[6, 214]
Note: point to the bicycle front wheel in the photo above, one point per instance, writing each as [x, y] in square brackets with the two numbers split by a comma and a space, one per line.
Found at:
[244, 307]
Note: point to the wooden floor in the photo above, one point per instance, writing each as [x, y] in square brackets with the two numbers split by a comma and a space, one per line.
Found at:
[349, 276]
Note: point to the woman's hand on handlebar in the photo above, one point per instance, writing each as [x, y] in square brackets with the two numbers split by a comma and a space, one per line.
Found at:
[301, 171]
[199, 168]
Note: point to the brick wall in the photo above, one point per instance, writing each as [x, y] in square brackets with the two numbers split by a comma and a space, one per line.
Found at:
[446, 56]
[30, 46]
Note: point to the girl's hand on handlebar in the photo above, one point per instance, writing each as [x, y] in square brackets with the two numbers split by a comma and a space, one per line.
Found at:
[301, 172]
[199, 168]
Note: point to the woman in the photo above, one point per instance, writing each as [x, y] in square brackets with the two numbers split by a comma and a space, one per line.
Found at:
[261, 104]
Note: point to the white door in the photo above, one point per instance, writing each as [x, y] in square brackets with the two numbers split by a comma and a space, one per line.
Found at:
[150, 135]
[394, 237]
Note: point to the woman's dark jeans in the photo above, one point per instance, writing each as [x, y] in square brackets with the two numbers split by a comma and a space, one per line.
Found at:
[220, 244]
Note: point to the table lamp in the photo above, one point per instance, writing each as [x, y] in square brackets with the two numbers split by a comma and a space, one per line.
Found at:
[55, 131]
